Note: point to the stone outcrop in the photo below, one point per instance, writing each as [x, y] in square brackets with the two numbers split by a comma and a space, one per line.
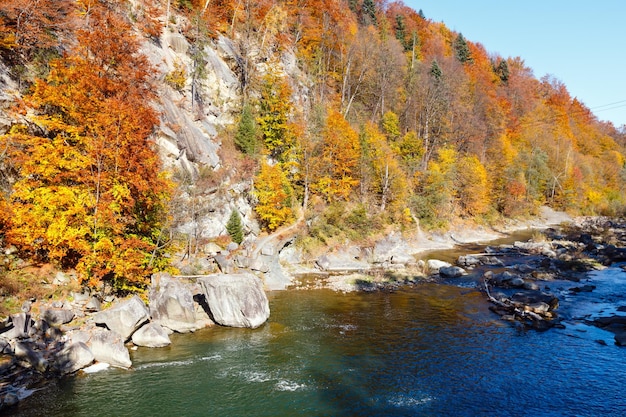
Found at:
[236, 300]
[171, 304]
[125, 317]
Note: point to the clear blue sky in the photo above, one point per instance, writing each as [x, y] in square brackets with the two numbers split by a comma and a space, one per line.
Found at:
[580, 43]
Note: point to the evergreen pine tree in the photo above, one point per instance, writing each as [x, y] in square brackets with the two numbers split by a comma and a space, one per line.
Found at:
[369, 12]
[502, 71]
[421, 14]
[435, 70]
[246, 136]
[234, 227]
[401, 32]
[461, 49]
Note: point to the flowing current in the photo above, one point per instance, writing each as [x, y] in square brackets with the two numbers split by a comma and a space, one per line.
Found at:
[427, 350]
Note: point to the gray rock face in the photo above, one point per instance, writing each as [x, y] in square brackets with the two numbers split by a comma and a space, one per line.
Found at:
[151, 335]
[108, 347]
[171, 304]
[57, 316]
[74, 357]
[236, 300]
[125, 317]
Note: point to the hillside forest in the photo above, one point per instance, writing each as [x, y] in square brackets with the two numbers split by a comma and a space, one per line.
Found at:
[351, 116]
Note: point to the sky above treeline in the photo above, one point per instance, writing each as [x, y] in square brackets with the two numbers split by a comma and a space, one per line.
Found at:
[581, 44]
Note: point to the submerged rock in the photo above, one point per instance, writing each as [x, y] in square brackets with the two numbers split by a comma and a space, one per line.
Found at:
[236, 300]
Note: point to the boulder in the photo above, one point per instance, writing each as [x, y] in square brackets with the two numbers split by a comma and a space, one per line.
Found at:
[171, 304]
[517, 282]
[451, 271]
[434, 265]
[620, 338]
[93, 305]
[108, 347]
[236, 300]
[468, 261]
[151, 335]
[57, 316]
[226, 265]
[21, 324]
[74, 357]
[125, 317]
[34, 358]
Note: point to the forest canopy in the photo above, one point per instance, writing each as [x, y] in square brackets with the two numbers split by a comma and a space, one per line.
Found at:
[390, 116]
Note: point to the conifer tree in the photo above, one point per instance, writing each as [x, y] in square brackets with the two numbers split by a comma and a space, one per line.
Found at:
[246, 136]
[234, 227]
[461, 49]
[435, 70]
[369, 12]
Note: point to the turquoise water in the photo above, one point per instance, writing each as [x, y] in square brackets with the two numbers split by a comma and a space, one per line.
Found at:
[428, 350]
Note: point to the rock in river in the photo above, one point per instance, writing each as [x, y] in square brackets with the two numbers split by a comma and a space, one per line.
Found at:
[124, 318]
[236, 300]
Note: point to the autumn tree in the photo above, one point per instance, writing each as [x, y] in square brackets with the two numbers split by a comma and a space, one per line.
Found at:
[274, 194]
[89, 194]
[388, 181]
[273, 119]
[338, 159]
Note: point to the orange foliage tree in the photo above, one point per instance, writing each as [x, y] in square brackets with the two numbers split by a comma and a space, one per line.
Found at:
[338, 159]
[89, 194]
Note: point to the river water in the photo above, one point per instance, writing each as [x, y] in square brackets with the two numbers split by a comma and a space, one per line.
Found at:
[425, 350]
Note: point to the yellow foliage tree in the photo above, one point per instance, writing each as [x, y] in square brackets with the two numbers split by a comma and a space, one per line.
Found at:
[472, 186]
[388, 180]
[274, 194]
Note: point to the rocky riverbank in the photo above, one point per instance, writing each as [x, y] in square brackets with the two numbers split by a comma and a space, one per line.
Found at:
[50, 341]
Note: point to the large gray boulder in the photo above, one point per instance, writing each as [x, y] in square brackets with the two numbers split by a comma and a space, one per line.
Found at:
[74, 357]
[57, 316]
[125, 317]
[171, 304]
[236, 300]
[151, 335]
[19, 327]
[108, 347]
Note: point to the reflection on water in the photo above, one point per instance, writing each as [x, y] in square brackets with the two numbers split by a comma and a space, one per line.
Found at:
[430, 350]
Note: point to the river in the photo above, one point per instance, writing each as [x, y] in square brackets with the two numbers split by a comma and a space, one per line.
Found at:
[424, 350]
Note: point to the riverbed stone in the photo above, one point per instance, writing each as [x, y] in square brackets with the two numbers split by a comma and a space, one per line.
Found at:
[108, 347]
[452, 271]
[434, 265]
[74, 357]
[236, 300]
[171, 304]
[151, 335]
[125, 317]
